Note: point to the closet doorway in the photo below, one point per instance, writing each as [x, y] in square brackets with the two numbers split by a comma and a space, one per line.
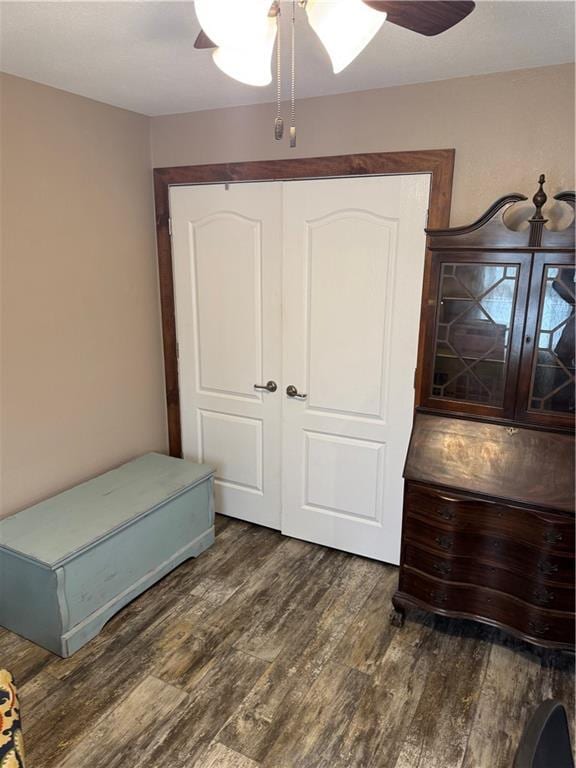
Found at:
[297, 306]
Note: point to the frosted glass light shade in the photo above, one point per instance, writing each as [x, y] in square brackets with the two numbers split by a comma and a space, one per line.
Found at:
[252, 65]
[345, 27]
[244, 34]
[235, 23]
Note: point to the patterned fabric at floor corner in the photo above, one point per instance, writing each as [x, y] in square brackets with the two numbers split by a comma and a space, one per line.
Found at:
[11, 744]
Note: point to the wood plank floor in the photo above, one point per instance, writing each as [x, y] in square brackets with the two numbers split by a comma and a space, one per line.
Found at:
[272, 652]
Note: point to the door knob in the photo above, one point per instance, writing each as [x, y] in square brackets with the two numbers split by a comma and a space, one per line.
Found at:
[291, 391]
[270, 386]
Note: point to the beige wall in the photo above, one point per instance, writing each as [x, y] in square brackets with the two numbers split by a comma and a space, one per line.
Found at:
[81, 370]
[507, 128]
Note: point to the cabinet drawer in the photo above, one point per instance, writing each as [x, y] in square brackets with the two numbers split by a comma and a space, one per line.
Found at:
[546, 530]
[532, 587]
[488, 548]
[540, 625]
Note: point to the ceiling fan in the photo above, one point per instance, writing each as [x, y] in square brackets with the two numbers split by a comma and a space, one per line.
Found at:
[242, 33]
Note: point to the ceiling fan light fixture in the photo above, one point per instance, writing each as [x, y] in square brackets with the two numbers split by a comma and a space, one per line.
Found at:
[251, 66]
[345, 27]
[227, 21]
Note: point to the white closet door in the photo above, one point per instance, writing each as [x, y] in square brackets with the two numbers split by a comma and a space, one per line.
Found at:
[353, 265]
[227, 279]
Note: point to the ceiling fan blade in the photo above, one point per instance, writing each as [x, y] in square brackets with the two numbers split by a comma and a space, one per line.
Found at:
[203, 41]
[426, 17]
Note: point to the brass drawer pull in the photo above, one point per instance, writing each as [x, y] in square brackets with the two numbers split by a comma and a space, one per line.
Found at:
[552, 537]
[538, 627]
[438, 597]
[543, 596]
[450, 499]
[546, 567]
[444, 541]
[443, 568]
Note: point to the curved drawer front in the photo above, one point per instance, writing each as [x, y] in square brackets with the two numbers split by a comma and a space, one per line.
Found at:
[489, 548]
[532, 587]
[546, 530]
[478, 602]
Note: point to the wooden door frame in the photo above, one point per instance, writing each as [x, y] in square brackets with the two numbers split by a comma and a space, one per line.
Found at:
[439, 163]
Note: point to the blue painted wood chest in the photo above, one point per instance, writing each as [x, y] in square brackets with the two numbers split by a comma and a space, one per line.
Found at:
[70, 563]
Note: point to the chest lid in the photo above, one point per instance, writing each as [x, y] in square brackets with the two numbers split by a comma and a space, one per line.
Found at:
[529, 466]
[63, 525]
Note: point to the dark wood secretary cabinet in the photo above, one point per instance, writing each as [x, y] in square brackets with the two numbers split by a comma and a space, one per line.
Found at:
[488, 523]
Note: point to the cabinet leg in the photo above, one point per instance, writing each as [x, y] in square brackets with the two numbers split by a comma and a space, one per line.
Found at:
[397, 615]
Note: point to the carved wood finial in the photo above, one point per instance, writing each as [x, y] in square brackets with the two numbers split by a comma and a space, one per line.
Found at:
[540, 198]
[537, 221]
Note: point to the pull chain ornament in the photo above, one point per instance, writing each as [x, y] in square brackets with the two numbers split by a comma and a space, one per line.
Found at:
[279, 122]
[293, 80]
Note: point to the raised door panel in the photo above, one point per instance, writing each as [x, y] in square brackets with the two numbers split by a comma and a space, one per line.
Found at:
[227, 276]
[234, 445]
[348, 257]
[344, 476]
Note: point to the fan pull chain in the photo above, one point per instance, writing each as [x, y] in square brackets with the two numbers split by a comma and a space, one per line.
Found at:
[293, 79]
[279, 122]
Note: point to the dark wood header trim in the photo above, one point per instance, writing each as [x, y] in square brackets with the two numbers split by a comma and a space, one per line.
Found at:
[439, 163]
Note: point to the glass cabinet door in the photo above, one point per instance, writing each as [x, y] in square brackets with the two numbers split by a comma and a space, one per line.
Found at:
[547, 378]
[471, 367]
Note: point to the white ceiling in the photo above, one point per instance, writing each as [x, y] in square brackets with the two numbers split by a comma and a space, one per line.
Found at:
[139, 55]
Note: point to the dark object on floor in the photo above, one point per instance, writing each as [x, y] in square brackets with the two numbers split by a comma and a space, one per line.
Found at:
[546, 741]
